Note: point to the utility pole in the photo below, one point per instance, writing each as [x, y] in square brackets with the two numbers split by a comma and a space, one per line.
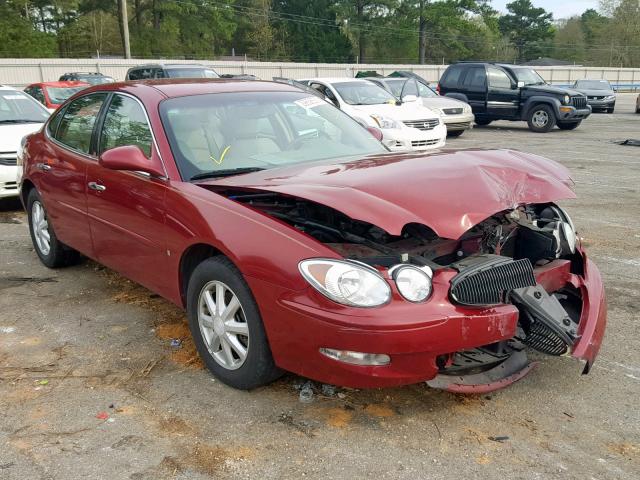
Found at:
[124, 22]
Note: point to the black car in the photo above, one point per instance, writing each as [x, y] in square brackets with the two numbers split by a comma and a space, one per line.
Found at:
[168, 70]
[94, 78]
[512, 92]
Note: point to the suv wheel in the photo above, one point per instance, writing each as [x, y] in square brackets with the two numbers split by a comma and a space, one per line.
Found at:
[482, 121]
[569, 126]
[226, 326]
[541, 118]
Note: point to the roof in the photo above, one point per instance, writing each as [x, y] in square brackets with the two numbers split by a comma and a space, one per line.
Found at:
[63, 84]
[180, 87]
[7, 87]
[334, 79]
[171, 65]
[546, 62]
[86, 73]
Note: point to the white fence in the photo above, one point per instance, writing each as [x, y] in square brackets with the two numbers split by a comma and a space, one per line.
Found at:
[20, 71]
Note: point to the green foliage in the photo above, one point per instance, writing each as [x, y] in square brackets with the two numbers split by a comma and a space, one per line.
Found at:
[372, 31]
[528, 27]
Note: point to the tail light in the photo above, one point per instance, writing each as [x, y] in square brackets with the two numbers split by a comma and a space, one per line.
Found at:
[438, 89]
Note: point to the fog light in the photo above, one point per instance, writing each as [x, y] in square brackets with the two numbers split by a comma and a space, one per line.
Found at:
[565, 109]
[356, 358]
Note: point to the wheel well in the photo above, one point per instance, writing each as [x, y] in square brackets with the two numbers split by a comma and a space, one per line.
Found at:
[537, 103]
[24, 191]
[191, 258]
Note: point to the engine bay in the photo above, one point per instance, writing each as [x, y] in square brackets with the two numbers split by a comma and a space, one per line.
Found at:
[525, 237]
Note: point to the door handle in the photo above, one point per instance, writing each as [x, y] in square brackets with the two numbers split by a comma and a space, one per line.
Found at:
[96, 186]
[43, 166]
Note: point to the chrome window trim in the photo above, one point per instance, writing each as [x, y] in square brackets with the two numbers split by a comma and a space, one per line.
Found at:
[95, 158]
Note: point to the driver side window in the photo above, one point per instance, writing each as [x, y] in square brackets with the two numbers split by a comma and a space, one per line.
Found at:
[498, 79]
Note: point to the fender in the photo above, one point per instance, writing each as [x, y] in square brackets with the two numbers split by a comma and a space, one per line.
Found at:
[458, 96]
[536, 100]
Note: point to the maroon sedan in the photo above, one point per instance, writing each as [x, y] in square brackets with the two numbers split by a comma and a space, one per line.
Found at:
[297, 242]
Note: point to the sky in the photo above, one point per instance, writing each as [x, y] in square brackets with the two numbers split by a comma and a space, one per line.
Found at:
[559, 8]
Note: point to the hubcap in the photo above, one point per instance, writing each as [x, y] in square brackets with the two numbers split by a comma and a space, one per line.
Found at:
[540, 118]
[223, 325]
[40, 228]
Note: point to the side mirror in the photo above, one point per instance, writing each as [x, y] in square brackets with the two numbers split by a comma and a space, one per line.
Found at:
[131, 158]
[376, 132]
[409, 98]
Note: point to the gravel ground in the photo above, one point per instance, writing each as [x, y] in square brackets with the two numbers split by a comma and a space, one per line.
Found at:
[91, 388]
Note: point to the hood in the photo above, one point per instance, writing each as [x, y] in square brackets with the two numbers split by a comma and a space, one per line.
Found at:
[596, 93]
[449, 191]
[443, 102]
[406, 111]
[11, 134]
[552, 89]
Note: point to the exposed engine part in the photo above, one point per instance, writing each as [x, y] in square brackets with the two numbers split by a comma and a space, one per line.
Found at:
[548, 327]
[487, 279]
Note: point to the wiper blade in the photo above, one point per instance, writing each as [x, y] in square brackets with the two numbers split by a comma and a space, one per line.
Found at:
[225, 172]
[22, 121]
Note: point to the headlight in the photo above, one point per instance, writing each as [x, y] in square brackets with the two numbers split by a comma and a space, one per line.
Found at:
[384, 122]
[566, 100]
[466, 109]
[346, 282]
[567, 231]
[414, 283]
[611, 97]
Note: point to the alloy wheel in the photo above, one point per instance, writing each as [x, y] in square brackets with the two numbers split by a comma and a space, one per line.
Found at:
[540, 118]
[40, 228]
[223, 325]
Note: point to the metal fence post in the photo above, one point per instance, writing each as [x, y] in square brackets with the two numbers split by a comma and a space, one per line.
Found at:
[41, 71]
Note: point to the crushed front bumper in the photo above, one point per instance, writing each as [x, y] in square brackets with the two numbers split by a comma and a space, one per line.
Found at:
[299, 323]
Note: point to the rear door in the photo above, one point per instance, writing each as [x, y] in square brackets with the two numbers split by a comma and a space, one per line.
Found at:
[126, 209]
[503, 100]
[63, 167]
[474, 85]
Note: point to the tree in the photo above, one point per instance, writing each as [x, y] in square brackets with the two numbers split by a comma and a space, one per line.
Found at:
[528, 27]
[569, 41]
[19, 37]
[361, 18]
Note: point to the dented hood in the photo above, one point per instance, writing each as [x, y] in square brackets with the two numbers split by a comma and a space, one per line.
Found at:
[449, 191]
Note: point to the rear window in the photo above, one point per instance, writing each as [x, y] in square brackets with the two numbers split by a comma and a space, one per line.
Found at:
[451, 76]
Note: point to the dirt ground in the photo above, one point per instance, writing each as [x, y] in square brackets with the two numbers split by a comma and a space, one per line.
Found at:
[91, 388]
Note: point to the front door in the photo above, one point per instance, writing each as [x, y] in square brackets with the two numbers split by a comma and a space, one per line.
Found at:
[126, 209]
[64, 164]
[503, 99]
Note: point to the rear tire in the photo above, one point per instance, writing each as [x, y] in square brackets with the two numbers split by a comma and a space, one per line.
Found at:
[541, 118]
[482, 121]
[226, 326]
[51, 251]
[455, 133]
[569, 126]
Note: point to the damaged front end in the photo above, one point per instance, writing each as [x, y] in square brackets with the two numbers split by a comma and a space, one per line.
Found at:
[528, 257]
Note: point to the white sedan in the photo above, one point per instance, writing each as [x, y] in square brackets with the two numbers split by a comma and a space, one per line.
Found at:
[20, 115]
[404, 126]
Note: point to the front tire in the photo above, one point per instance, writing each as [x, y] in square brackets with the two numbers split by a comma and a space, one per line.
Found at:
[51, 251]
[226, 326]
[569, 126]
[541, 118]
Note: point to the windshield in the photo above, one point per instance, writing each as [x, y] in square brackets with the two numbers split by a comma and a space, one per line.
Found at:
[363, 93]
[18, 107]
[58, 95]
[224, 132]
[191, 73]
[593, 84]
[95, 79]
[528, 76]
[397, 85]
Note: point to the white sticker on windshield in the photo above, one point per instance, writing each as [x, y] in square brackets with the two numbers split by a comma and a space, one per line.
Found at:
[15, 97]
[310, 102]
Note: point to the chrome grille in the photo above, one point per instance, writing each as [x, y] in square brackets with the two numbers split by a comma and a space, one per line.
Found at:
[8, 161]
[488, 283]
[579, 102]
[423, 143]
[429, 124]
[452, 111]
